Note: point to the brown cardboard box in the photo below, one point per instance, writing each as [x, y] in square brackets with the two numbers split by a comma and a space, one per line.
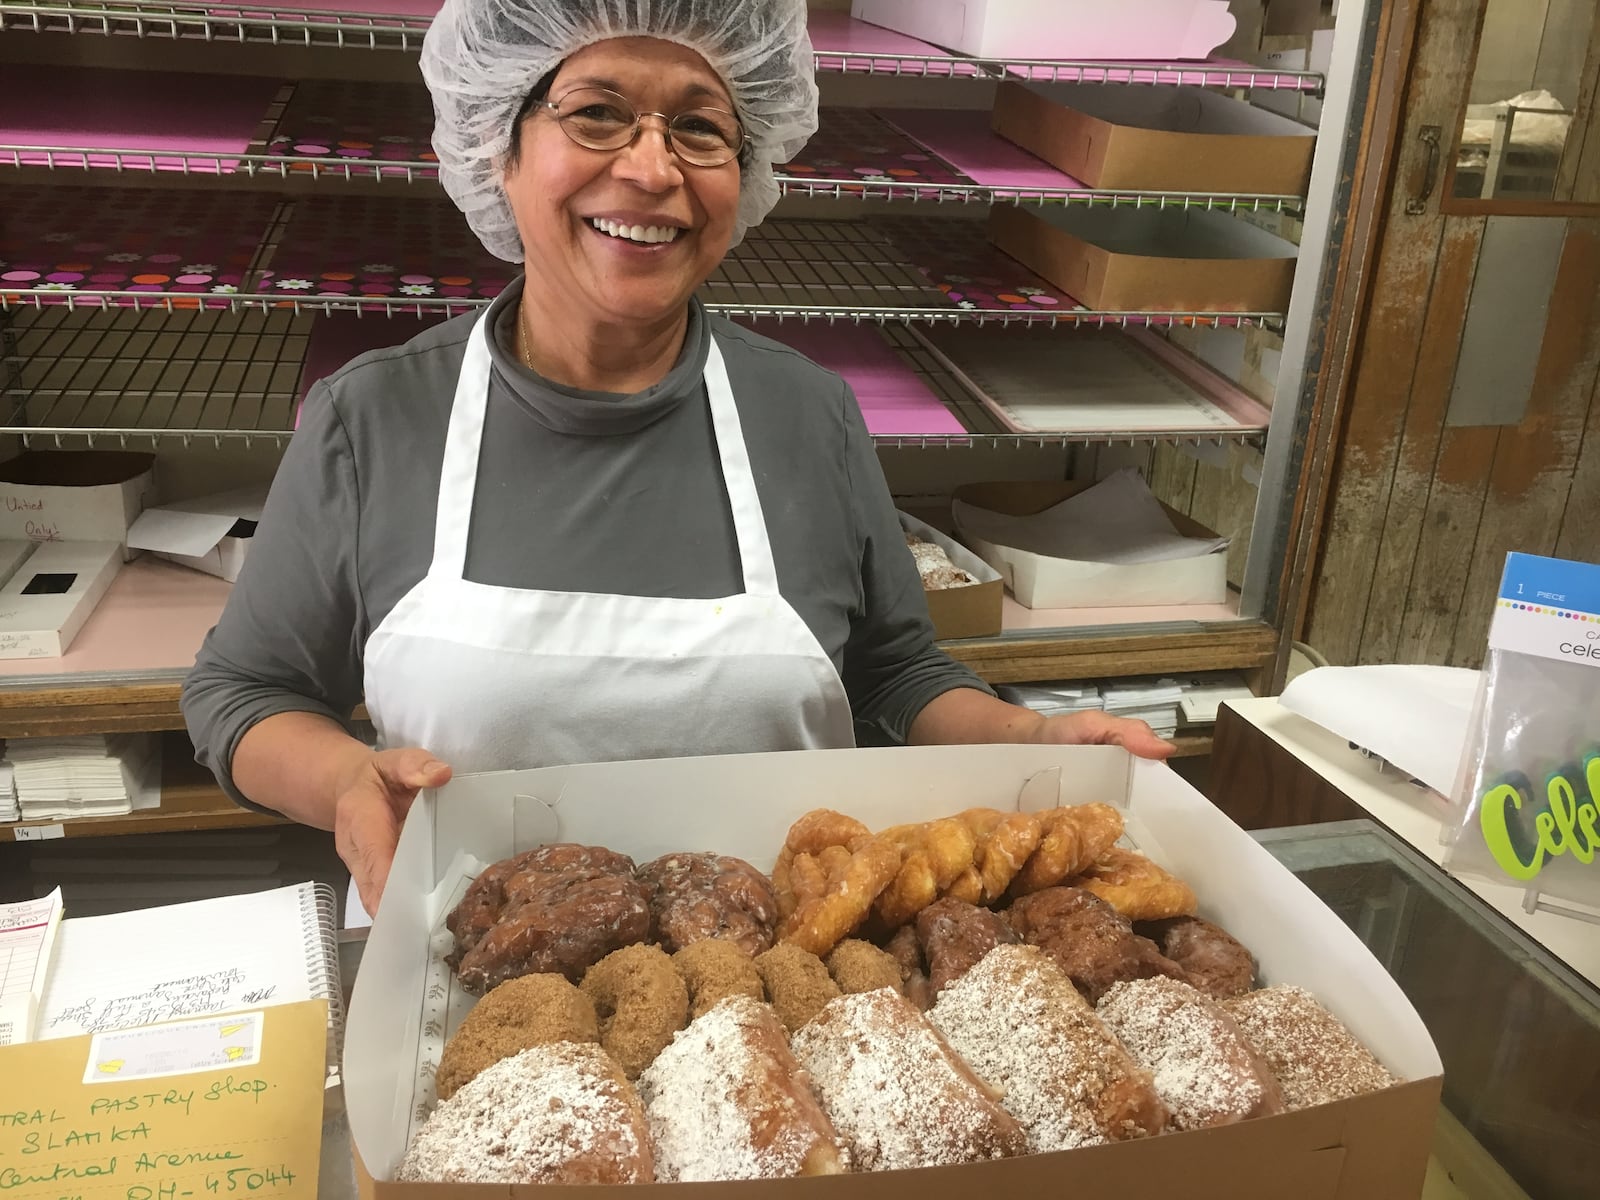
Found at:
[1374, 1147]
[1150, 260]
[1157, 139]
[961, 612]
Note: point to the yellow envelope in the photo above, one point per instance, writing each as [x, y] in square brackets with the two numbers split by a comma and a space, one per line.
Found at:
[212, 1106]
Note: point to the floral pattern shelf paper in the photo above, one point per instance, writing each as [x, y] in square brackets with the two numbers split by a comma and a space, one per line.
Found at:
[971, 273]
[854, 145]
[343, 247]
[58, 243]
[357, 123]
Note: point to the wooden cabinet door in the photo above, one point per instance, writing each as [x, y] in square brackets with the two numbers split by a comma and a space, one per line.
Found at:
[1472, 423]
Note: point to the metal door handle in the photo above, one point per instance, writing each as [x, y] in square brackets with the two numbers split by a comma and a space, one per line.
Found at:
[1418, 204]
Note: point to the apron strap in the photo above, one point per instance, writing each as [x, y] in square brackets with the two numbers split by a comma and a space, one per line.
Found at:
[749, 524]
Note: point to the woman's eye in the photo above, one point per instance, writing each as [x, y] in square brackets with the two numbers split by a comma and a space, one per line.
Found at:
[606, 113]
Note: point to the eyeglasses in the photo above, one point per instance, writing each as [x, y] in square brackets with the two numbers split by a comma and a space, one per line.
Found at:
[597, 119]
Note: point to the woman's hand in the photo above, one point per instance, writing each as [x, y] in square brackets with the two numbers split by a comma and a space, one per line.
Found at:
[371, 807]
[1102, 729]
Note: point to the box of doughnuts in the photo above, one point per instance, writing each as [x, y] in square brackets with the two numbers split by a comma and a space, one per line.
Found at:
[963, 971]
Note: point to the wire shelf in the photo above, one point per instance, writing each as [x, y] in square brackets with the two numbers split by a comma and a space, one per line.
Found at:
[827, 271]
[196, 163]
[127, 377]
[404, 31]
[135, 377]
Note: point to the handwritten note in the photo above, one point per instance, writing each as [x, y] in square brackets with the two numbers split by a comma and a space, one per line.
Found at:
[183, 960]
[80, 1124]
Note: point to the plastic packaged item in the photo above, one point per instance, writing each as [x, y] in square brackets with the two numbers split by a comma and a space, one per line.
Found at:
[1527, 798]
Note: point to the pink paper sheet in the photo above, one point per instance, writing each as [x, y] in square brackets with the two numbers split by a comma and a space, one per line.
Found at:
[346, 246]
[853, 144]
[57, 242]
[894, 400]
[152, 618]
[97, 108]
[843, 43]
[964, 139]
[354, 122]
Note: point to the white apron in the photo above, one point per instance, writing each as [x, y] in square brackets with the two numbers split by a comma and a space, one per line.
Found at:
[494, 678]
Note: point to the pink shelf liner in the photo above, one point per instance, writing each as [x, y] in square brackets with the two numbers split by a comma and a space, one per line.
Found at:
[153, 618]
[958, 259]
[93, 107]
[356, 121]
[63, 239]
[346, 246]
[964, 139]
[853, 143]
[336, 338]
[837, 35]
[894, 400]
[1014, 617]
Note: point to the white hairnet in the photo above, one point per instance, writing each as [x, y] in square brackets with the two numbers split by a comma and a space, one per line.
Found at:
[481, 58]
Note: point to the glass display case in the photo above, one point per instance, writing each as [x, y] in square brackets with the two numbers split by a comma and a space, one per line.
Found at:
[1517, 1030]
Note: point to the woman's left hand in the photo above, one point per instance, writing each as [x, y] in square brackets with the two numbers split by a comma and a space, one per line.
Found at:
[1101, 729]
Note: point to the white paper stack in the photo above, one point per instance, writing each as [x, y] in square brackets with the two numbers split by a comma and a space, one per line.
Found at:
[95, 775]
[1154, 701]
[8, 792]
[1053, 699]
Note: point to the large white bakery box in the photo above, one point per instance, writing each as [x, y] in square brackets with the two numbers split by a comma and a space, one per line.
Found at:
[405, 1004]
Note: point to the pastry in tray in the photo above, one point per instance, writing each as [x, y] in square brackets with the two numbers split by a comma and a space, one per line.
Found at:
[1088, 939]
[641, 1001]
[533, 1010]
[696, 897]
[1316, 1059]
[562, 1113]
[1212, 959]
[727, 1100]
[559, 908]
[1205, 1071]
[897, 1094]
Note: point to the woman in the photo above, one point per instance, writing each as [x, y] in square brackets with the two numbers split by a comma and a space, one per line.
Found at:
[652, 532]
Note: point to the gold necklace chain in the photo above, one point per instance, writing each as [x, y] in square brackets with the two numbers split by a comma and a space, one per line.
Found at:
[522, 339]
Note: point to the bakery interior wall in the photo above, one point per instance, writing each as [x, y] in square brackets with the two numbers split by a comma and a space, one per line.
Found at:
[1470, 422]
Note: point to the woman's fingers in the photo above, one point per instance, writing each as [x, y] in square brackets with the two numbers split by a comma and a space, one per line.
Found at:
[1101, 729]
[409, 769]
[366, 829]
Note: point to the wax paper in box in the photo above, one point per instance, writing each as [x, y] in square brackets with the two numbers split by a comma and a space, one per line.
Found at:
[1528, 795]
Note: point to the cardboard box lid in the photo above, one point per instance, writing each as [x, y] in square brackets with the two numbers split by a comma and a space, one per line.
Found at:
[193, 528]
[75, 468]
[651, 808]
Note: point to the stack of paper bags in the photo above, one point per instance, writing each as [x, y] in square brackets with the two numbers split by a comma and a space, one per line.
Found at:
[8, 792]
[1053, 699]
[94, 775]
[1154, 701]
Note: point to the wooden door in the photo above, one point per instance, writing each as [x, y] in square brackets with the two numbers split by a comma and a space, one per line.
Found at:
[1471, 426]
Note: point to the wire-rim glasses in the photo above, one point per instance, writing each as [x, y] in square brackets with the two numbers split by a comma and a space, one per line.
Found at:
[598, 119]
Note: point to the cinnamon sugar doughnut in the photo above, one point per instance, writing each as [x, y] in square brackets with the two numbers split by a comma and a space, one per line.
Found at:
[694, 897]
[534, 1010]
[797, 982]
[858, 966]
[714, 970]
[641, 1003]
[558, 908]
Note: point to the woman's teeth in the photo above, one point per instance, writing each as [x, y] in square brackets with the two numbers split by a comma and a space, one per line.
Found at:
[648, 234]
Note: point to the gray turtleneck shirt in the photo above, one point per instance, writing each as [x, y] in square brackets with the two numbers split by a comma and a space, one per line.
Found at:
[577, 491]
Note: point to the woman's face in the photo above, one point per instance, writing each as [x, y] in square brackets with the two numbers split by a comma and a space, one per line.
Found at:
[558, 189]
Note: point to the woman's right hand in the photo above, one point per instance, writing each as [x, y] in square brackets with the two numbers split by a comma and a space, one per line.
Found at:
[371, 807]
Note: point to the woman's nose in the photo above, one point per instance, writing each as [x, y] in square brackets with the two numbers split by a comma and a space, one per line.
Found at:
[649, 160]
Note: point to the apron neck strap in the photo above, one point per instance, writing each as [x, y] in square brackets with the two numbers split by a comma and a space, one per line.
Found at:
[458, 475]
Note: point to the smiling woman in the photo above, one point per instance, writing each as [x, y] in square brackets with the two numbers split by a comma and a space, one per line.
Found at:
[593, 523]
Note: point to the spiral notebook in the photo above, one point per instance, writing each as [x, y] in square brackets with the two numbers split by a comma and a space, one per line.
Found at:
[192, 960]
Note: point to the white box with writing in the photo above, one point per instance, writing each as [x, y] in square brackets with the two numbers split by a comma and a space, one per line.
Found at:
[74, 495]
[210, 534]
[46, 602]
